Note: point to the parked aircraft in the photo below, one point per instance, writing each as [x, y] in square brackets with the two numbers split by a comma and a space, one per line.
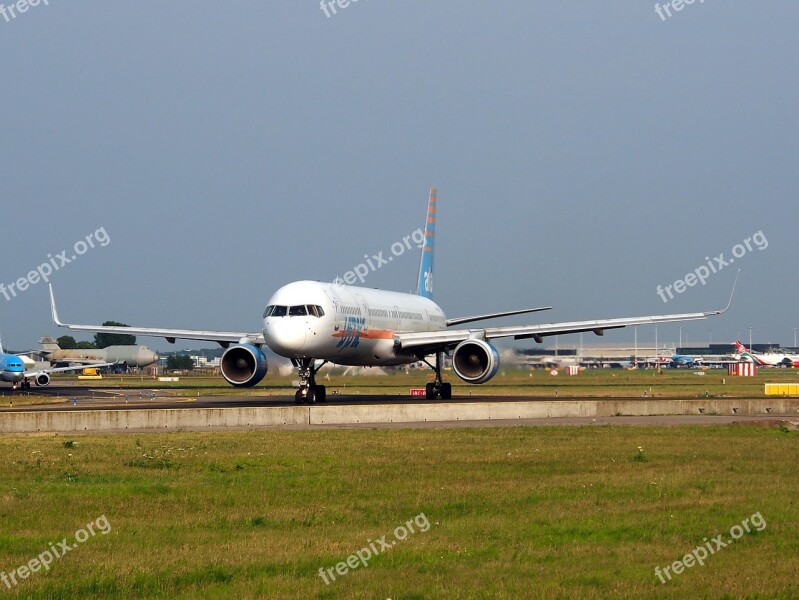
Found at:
[765, 359]
[13, 370]
[132, 356]
[683, 360]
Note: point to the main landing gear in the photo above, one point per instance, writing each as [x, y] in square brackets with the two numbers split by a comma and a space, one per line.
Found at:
[21, 385]
[437, 389]
[309, 392]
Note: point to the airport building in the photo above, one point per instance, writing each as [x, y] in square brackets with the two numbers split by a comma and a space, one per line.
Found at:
[625, 354]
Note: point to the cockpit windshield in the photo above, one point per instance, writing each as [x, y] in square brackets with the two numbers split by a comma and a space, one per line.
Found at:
[299, 310]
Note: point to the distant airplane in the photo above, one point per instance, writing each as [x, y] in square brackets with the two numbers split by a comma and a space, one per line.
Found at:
[13, 370]
[132, 356]
[683, 360]
[765, 359]
[314, 323]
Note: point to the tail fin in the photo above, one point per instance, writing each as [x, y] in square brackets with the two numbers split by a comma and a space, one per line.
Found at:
[740, 348]
[1, 346]
[425, 284]
[49, 345]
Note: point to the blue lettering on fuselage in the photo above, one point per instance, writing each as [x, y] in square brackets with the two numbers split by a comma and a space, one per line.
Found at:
[353, 327]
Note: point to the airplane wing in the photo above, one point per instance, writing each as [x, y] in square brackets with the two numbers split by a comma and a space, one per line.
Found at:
[223, 338]
[423, 343]
[34, 374]
[508, 313]
[445, 339]
[85, 362]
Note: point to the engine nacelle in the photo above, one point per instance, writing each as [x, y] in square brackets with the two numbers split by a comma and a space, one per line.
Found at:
[475, 361]
[243, 365]
[42, 379]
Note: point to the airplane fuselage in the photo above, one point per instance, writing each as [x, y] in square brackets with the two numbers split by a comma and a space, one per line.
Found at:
[769, 359]
[344, 324]
[12, 369]
[132, 356]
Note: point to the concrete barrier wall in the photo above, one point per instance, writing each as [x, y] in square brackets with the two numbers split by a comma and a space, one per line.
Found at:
[709, 406]
[411, 413]
[451, 411]
[153, 419]
[210, 418]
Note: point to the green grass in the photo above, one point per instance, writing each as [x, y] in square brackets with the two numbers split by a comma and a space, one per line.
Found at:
[514, 512]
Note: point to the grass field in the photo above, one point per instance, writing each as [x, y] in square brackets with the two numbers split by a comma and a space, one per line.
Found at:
[512, 512]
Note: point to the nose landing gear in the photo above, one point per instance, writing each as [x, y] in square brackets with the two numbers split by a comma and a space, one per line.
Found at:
[309, 392]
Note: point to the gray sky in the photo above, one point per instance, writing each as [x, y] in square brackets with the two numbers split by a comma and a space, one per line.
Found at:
[584, 153]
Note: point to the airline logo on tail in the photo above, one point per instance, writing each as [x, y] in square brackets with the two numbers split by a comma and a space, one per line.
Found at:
[425, 286]
[746, 355]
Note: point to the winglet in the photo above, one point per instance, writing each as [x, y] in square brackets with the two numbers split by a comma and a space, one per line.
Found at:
[729, 302]
[53, 308]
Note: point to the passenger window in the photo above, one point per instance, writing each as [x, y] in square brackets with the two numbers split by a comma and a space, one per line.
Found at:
[297, 311]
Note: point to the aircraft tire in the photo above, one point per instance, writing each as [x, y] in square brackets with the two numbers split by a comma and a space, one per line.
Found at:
[430, 391]
[321, 393]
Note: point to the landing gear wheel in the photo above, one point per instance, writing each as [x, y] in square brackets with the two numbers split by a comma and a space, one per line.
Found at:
[321, 393]
[309, 392]
[437, 389]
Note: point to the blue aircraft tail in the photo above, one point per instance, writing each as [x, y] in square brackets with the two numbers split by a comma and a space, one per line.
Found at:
[425, 285]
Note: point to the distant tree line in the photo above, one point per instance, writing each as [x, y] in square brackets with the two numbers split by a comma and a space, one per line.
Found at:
[179, 362]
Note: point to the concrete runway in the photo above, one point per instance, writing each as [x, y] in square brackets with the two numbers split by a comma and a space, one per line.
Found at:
[76, 398]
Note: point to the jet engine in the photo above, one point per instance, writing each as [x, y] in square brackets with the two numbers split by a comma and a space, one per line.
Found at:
[42, 379]
[475, 361]
[243, 365]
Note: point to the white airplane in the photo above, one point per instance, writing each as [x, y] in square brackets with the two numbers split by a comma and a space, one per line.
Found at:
[314, 323]
[764, 359]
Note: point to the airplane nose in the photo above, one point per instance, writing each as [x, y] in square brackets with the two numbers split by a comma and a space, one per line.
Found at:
[285, 335]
